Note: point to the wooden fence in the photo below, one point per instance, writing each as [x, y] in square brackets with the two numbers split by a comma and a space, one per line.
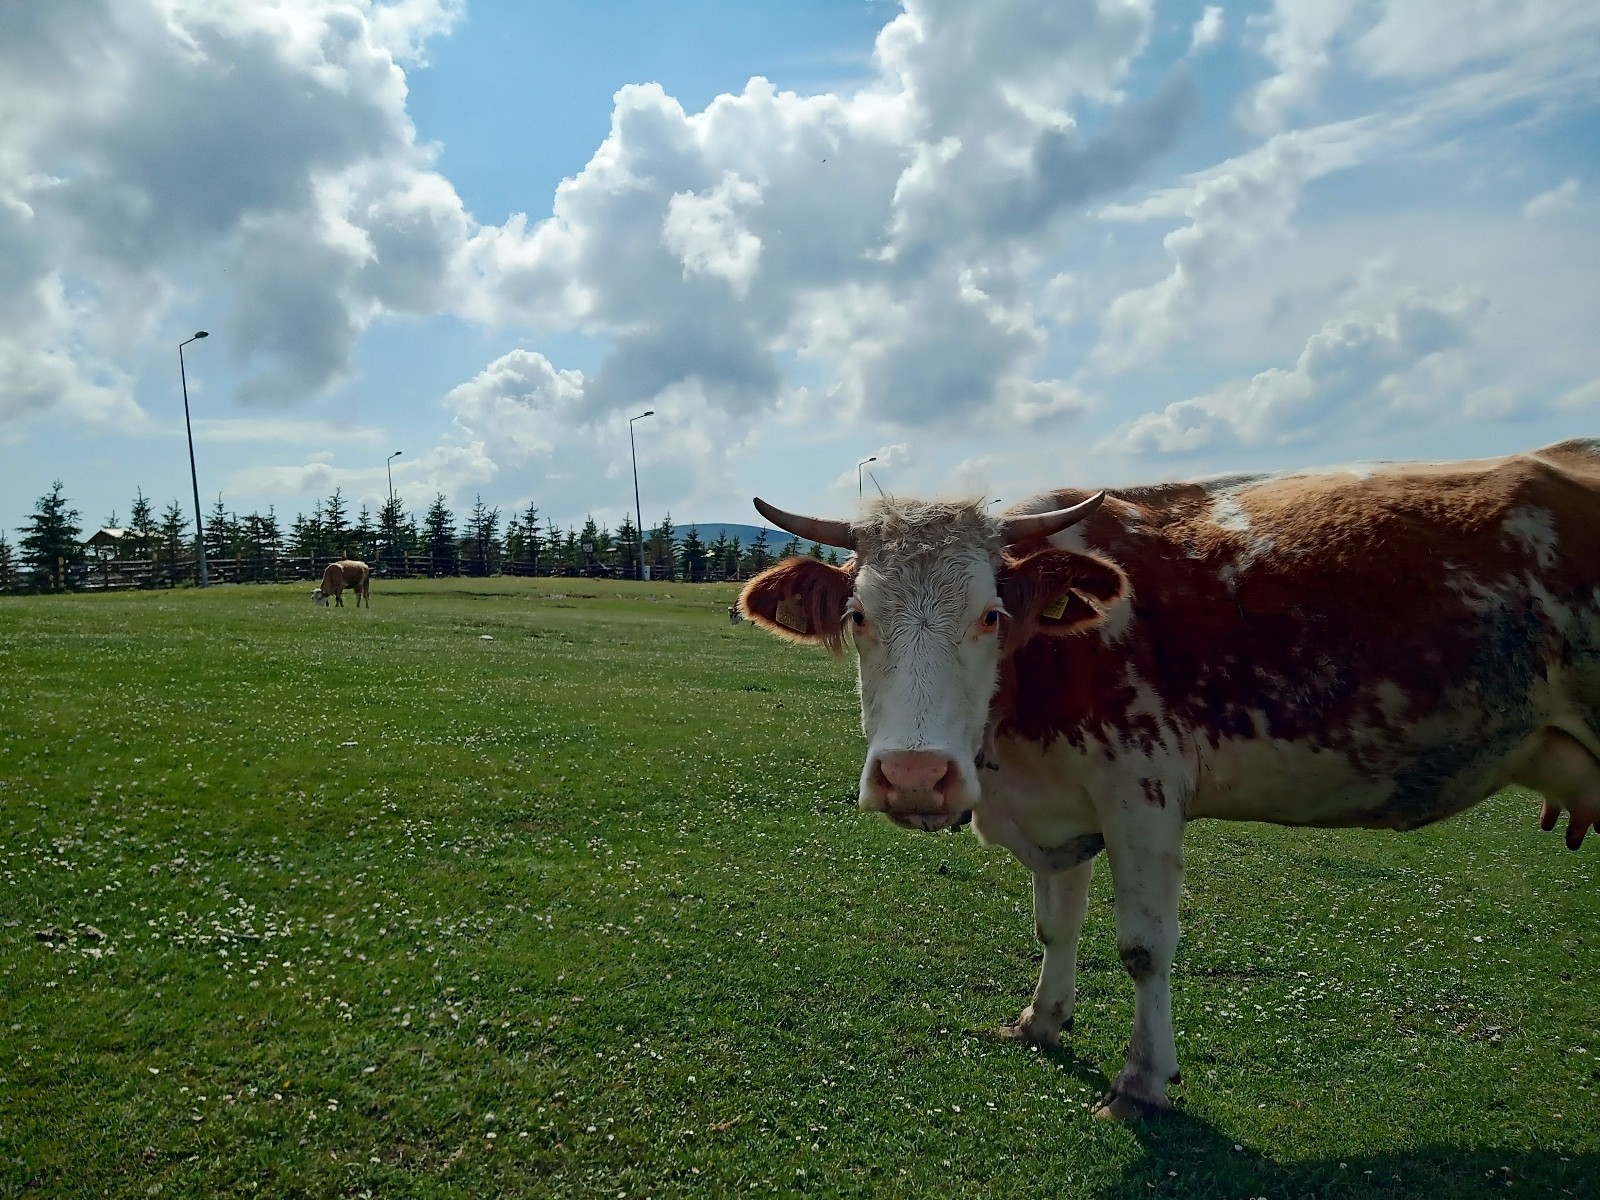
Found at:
[106, 574]
[111, 574]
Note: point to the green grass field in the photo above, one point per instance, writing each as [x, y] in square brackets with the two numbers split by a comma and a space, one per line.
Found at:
[492, 890]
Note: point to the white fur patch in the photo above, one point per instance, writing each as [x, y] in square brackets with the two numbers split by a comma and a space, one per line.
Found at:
[1535, 529]
[1227, 513]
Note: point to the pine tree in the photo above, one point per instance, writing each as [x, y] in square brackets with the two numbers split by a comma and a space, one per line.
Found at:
[489, 533]
[271, 535]
[692, 554]
[336, 526]
[142, 525]
[816, 551]
[308, 537]
[391, 526]
[627, 548]
[250, 549]
[512, 542]
[552, 546]
[530, 537]
[717, 554]
[216, 532]
[172, 533]
[49, 540]
[519, 545]
[589, 536]
[439, 537]
[659, 547]
[259, 544]
[8, 566]
[363, 537]
[482, 537]
[791, 548]
[759, 557]
[730, 562]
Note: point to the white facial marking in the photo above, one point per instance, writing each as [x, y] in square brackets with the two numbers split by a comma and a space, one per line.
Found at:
[927, 668]
[923, 672]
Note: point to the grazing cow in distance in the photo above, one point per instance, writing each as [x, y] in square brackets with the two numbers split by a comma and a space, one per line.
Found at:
[1380, 646]
[346, 573]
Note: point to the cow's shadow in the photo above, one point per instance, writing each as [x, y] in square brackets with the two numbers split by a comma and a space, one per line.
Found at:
[1187, 1155]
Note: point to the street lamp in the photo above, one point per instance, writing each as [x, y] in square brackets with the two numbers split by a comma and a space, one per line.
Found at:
[859, 465]
[637, 515]
[194, 480]
[391, 519]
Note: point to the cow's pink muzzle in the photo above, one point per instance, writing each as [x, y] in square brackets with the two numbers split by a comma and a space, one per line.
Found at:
[917, 789]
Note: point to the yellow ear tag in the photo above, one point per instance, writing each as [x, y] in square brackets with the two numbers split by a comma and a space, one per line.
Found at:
[1058, 606]
[791, 615]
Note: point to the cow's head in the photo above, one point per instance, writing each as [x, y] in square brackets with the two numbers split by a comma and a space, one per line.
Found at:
[317, 598]
[936, 595]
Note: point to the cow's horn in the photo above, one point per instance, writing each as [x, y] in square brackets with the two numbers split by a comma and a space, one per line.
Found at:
[829, 533]
[1042, 525]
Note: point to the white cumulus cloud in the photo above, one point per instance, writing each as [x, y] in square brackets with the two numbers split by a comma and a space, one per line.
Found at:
[883, 237]
[147, 146]
[1362, 366]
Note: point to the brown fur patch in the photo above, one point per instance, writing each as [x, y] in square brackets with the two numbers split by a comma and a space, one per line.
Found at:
[1283, 618]
[346, 573]
[814, 591]
[1056, 593]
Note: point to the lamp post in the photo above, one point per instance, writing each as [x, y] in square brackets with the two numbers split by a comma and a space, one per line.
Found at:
[194, 480]
[859, 465]
[391, 519]
[638, 517]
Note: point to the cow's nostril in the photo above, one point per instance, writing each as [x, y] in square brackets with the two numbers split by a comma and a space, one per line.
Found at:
[917, 770]
[880, 781]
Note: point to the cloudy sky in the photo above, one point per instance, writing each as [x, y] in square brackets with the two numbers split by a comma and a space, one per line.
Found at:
[999, 246]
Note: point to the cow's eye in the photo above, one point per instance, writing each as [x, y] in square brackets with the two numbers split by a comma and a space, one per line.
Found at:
[859, 617]
[990, 620]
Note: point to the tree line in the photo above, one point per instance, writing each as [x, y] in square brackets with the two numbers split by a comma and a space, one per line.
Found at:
[396, 541]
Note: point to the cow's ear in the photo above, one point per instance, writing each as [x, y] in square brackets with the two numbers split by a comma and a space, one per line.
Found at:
[801, 599]
[1057, 593]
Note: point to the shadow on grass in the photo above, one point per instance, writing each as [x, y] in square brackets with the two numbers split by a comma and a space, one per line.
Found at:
[1186, 1156]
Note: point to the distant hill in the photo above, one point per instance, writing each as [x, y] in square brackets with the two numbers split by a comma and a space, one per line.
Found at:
[711, 531]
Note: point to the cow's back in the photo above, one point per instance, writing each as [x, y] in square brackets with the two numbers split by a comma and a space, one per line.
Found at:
[1413, 621]
[353, 571]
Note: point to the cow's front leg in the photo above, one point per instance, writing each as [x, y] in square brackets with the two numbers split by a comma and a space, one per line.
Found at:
[1144, 843]
[1059, 901]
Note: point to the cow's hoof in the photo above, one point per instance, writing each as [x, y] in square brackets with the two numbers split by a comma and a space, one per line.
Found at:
[1027, 1028]
[1015, 1031]
[1120, 1107]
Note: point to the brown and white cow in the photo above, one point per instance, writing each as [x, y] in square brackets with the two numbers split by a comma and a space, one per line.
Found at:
[1380, 646]
[346, 573]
